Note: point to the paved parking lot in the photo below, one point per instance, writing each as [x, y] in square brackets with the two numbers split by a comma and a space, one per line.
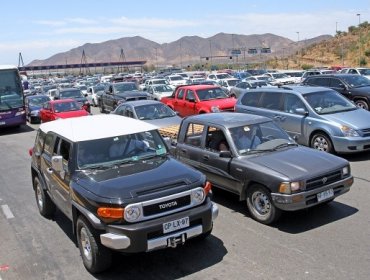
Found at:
[327, 242]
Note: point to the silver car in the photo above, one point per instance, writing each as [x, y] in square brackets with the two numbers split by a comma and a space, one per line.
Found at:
[315, 116]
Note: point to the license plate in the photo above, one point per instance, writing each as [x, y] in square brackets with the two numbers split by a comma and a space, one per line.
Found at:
[175, 225]
[325, 194]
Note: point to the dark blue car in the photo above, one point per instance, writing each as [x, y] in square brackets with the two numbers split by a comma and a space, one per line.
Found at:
[33, 105]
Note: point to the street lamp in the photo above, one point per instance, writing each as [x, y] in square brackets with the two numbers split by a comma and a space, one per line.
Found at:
[359, 38]
[298, 46]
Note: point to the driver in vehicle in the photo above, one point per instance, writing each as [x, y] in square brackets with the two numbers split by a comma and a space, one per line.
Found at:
[245, 137]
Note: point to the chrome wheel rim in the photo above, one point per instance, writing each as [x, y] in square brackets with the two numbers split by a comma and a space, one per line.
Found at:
[261, 203]
[361, 105]
[321, 144]
[40, 201]
[85, 243]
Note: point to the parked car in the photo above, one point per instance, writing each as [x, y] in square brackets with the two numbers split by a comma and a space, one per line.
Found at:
[150, 111]
[75, 94]
[117, 93]
[312, 72]
[199, 99]
[317, 117]
[218, 76]
[227, 84]
[354, 87]
[254, 158]
[176, 80]
[94, 93]
[357, 71]
[61, 109]
[280, 79]
[242, 87]
[34, 104]
[118, 186]
[158, 91]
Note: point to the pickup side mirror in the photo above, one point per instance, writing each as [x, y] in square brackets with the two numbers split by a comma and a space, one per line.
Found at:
[225, 154]
[301, 111]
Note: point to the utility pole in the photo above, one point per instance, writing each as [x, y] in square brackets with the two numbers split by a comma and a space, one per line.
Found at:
[359, 38]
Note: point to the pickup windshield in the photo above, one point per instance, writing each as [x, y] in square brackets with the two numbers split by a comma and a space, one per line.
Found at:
[213, 93]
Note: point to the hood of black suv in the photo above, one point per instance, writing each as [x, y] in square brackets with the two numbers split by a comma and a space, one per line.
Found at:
[130, 180]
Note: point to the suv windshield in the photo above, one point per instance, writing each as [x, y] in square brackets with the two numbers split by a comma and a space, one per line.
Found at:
[125, 87]
[154, 111]
[357, 81]
[121, 149]
[328, 102]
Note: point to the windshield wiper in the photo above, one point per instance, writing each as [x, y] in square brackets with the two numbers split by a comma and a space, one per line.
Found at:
[285, 145]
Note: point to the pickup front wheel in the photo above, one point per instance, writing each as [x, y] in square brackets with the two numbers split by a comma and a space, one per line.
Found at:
[44, 203]
[96, 258]
[260, 205]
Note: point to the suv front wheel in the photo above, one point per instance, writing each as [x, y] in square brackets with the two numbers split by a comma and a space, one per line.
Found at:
[96, 258]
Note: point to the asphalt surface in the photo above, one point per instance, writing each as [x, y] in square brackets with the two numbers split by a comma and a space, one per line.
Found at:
[327, 242]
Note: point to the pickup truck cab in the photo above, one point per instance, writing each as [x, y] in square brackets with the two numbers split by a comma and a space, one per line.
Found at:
[254, 158]
[199, 99]
[119, 187]
[117, 93]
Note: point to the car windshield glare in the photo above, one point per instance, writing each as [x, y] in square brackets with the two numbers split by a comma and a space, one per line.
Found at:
[357, 81]
[258, 137]
[125, 87]
[70, 94]
[120, 149]
[153, 111]
[214, 93]
[328, 102]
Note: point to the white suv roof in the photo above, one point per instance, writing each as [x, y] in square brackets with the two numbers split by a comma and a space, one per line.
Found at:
[95, 127]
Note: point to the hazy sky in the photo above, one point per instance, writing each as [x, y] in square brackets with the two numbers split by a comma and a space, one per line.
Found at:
[39, 29]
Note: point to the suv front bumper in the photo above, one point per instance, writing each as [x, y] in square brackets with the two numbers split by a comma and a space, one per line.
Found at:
[148, 235]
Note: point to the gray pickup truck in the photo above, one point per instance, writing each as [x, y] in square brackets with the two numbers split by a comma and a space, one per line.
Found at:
[254, 158]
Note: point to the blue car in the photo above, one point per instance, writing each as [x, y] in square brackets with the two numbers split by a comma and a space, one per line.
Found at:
[34, 104]
[317, 117]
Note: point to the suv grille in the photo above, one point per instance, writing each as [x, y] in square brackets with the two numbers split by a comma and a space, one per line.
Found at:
[323, 180]
[366, 132]
[165, 206]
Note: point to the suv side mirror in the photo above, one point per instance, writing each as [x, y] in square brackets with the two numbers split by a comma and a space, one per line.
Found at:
[225, 154]
[57, 163]
[301, 111]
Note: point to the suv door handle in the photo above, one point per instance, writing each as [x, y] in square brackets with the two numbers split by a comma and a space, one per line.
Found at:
[205, 157]
[277, 117]
[49, 170]
[183, 151]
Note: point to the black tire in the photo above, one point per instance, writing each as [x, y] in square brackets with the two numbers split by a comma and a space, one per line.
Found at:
[320, 141]
[102, 108]
[96, 258]
[44, 203]
[362, 104]
[260, 205]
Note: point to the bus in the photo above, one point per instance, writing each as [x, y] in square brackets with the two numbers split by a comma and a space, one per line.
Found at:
[12, 108]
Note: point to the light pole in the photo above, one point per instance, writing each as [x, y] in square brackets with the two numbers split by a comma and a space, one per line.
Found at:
[298, 46]
[156, 58]
[359, 38]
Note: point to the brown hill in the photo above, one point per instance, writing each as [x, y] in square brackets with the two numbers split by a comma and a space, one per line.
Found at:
[186, 50]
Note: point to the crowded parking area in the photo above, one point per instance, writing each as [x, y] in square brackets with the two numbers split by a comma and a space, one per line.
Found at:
[254, 186]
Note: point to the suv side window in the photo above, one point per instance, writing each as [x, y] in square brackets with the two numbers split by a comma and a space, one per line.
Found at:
[120, 110]
[336, 83]
[190, 95]
[271, 100]
[39, 144]
[319, 81]
[194, 134]
[62, 148]
[251, 98]
[48, 148]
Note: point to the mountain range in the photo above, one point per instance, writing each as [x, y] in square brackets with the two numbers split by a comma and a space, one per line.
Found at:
[186, 50]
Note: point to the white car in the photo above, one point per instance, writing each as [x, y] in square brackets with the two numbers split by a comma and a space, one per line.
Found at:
[176, 80]
[358, 71]
[228, 83]
[280, 79]
[219, 76]
[151, 82]
[159, 91]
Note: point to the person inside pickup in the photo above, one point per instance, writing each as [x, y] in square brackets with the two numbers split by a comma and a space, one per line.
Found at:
[245, 137]
[217, 140]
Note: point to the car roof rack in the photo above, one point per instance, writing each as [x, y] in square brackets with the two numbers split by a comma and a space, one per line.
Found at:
[285, 87]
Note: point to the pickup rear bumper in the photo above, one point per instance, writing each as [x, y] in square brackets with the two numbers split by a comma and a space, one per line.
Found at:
[148, 235]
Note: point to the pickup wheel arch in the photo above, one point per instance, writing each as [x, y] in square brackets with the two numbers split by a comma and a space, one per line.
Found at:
[260, 204]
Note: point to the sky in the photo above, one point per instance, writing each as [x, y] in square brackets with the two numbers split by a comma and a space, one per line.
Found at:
[39, 29]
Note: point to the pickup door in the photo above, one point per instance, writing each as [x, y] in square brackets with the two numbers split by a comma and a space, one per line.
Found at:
[220, 171]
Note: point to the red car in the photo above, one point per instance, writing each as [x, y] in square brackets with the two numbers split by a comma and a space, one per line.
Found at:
[199, 99]
[61, 109]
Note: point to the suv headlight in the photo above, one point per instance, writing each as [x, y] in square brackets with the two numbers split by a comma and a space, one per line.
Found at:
[197, 195]
[349, 131]
[290, 187]
[132, 213]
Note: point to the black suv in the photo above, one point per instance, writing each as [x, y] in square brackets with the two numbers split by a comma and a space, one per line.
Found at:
[74, 93]
[354, 87]
[119, 187]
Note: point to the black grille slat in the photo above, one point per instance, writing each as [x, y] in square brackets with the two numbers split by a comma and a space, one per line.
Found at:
[160, 188]
[155, 209]
[365, 132]
[319, 181]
